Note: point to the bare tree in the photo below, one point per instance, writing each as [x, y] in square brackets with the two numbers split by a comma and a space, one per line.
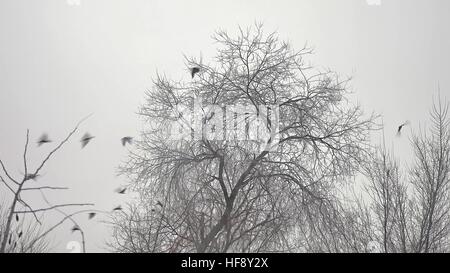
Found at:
[406, 210]
[431, 181]
[18, 208]
[228, 194]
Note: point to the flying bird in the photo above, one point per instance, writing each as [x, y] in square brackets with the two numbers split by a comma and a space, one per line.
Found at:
[75, 228]
[117, 208]
[194, 70]
[126, 140]
[399, 130]
[121, 190]
[92, 215]
[43, 140]
[85, 139]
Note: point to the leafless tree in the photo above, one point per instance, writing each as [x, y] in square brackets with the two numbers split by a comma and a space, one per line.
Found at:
[12, 224]
[228, 195]
[430, 178]
[405, 210]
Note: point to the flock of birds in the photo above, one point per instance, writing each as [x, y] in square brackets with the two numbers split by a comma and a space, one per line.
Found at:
[44, 139]
[128, 140]
[85, 140]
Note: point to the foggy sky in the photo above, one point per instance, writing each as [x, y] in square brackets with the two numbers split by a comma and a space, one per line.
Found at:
[61, 62]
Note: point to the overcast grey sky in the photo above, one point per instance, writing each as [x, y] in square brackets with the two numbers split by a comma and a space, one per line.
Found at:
[60, 62]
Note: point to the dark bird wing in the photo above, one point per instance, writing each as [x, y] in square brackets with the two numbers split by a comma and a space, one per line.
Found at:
[85, 140]
[126, 140]
[194, 70]
[75, 228]
[43, 139]
[121, 190]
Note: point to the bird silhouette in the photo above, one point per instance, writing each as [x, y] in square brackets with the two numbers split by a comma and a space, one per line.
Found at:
[85, 139]
[194, 70]
[126, 140]
[121, 190]
[20, 234]
[399, 130]
[43, 140]
[92, 215]
[75, 228]
[31, 176]
[117, 208]
[17, 217]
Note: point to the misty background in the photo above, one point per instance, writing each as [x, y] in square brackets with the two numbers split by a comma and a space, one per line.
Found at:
[62, 60]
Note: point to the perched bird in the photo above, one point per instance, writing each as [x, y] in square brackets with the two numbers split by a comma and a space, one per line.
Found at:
[85, 139]
[43, 140]
[17, 217]
[159, 204]
[126, 140]
[31, 176]
[194, 70]
[75, 228]
[121, 190]
[92, 215]
[117, 208]
[399, 130]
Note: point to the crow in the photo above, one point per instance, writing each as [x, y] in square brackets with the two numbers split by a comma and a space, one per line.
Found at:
[117, 208]
[85, 139]
[126, 140]
[399, 130]
[194, 70]
[43, 140]
[75, 228]
[31, 176]
[121, 190]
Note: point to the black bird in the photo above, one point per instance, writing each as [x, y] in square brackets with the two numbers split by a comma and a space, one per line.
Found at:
[10, 238]
[121, 190]
[126, 140]
[399, 130]
[159, 204]
[31, 176]
[85, 139]
[75, 228]
[43, 140]
[92, 215]
[17, 217]
[20, 234]
[117, 208]
[194, 70]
